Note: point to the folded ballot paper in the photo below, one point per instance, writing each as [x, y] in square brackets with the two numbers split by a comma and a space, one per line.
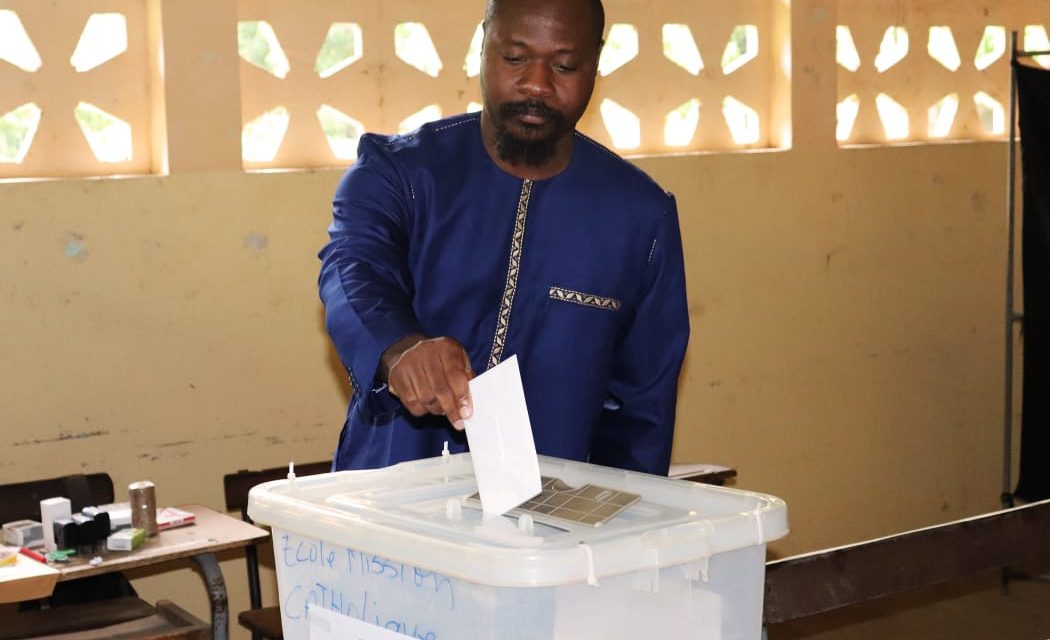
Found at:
[500, 438]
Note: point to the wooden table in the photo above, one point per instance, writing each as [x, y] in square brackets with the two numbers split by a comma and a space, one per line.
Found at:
[211, 532]
[715, 474]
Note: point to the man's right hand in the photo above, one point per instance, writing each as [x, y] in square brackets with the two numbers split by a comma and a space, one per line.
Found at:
[430, 375]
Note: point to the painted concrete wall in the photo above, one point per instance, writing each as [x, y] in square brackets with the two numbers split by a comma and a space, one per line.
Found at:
[846, 304]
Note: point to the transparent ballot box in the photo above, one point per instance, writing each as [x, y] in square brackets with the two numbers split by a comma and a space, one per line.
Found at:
[601, 553]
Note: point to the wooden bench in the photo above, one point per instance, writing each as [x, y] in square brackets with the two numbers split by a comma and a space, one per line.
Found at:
[114, 619]
[821, 581]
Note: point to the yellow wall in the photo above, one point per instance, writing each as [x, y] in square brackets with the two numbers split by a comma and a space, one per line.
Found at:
[846, 305]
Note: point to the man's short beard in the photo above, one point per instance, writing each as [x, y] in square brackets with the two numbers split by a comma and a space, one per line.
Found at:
[531, 152]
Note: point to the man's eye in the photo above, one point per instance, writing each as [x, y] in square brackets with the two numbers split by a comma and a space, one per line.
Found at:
[564, 68]
[514, 59]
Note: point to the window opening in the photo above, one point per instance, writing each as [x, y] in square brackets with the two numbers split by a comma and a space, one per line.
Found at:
[342, 131]
[108, 136]
[257, 44]
[1035, 39]
[105, 37]
[624, 127]
[941, 47]
[681, 124]
[427, 114]
[680, 48]
[893, 49]
[942, 116]
[472, 63]
[17, 128]
[845, 49]
[894, 117]
[846, 115]
[741, 48]
[620, 48]
[15, 45]
[991, 113]
[261, 138]
[412, 44]
[343, 46]
[991, 48]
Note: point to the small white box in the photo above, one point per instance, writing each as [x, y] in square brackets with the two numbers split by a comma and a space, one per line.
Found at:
[119, 514]
[50, 510]
[24, 533]
[126, 540]
[401, 548]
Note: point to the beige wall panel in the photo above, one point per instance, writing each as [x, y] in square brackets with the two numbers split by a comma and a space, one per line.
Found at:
[846, 312]
[167, 322]
[202, 105]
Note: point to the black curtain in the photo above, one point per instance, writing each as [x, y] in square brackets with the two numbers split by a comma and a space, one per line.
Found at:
[1034, 119]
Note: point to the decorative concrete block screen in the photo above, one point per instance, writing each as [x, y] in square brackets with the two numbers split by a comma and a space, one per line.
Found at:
[929, 70]
[82, 84]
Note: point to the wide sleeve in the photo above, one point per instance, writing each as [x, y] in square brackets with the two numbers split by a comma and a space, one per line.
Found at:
[365, 281]
[636, 428]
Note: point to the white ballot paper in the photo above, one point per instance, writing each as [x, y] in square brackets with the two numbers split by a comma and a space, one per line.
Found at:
[500, 438]
[329, 625]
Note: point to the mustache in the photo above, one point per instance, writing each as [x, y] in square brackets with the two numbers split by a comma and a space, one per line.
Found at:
[532, 108]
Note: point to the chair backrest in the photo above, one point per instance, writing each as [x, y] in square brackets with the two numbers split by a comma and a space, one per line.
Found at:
[21, 500]
[237, 485]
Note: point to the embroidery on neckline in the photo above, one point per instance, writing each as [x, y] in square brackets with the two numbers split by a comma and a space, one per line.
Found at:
[513, 267]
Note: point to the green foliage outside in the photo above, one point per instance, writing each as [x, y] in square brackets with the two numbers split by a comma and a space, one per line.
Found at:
[255, 43]
[14, 126]
[737, 46]
[93, 120]
[987, 46]
[340, 44]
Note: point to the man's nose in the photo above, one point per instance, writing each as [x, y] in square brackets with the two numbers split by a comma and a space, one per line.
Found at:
[537, 80]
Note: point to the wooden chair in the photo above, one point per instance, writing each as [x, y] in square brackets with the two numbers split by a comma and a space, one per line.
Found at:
[89, 605]
[263, 622]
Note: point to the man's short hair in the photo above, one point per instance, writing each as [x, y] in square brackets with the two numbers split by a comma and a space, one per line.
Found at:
[597, 12]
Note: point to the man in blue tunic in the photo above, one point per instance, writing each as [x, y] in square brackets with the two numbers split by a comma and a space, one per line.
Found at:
[504, 233]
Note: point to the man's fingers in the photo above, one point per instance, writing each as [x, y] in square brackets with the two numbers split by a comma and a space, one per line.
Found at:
[458, 384]
[403, 387]
[438, 397]
[433, 377]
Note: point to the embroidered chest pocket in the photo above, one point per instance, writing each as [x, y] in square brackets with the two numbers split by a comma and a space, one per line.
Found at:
[591, 300]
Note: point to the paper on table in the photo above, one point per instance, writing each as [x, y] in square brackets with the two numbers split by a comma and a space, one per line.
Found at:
[500, 438]
[27, 579]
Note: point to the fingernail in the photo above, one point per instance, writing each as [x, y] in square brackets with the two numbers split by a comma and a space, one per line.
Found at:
[459, 425]
[465, 411]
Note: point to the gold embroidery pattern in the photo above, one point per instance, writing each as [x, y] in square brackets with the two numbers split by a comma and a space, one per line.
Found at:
[585, 299]
[516, 242]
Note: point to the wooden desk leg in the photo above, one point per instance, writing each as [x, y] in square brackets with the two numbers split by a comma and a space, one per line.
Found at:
[216, 595]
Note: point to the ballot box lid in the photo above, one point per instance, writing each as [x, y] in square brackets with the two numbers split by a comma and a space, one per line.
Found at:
[422, 512]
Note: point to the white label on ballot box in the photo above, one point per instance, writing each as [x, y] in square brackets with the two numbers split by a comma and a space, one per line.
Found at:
[329, 625]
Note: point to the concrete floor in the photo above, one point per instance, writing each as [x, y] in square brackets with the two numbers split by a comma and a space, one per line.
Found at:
[974, 608]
